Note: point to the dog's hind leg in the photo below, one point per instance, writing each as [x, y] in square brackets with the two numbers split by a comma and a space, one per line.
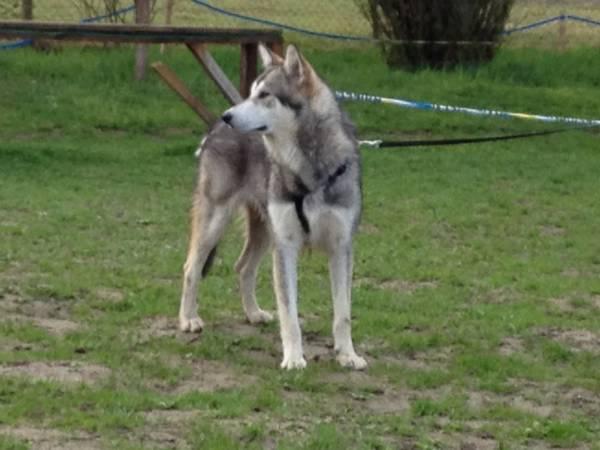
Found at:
[257, 242]
[208, 223]
[340, 270]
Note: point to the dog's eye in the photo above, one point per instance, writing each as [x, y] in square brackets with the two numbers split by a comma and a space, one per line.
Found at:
[263, 94]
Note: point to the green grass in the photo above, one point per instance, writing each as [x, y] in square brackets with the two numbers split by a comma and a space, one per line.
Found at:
[464, 250]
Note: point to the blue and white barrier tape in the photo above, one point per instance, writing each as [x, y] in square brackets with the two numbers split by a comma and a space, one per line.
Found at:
[343, 95]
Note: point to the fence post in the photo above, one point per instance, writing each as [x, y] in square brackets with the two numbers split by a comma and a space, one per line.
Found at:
[142, 16]
[168, 17]
[27, 9]
[562, 32]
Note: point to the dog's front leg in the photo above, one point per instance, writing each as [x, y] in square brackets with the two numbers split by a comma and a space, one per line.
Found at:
[340, 270]
[285, 261]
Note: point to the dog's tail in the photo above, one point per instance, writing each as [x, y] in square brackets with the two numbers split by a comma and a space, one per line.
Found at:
[209, 261]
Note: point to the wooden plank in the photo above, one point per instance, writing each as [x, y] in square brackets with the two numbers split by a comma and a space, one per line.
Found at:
[133, 33]
[175, 83]
[142, 16]
[216, 73]
[248, 59]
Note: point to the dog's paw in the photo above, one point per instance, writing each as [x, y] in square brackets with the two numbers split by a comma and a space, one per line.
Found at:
[293, 363]
[352, 361]
[260, 316]
[192, 325]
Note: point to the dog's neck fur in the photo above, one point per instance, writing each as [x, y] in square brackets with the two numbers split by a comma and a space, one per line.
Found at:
[319, 143]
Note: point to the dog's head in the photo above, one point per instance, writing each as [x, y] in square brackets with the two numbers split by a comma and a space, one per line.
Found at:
[278, 96]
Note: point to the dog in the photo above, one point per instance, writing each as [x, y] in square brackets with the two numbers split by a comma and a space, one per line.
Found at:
[289, 157]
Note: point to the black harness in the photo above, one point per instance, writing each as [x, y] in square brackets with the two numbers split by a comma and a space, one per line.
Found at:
[298, 197]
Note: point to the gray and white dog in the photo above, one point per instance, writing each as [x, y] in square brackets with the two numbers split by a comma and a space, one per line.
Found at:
[289, 157]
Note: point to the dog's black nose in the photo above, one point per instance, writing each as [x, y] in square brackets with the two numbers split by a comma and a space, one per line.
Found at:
[227, 117]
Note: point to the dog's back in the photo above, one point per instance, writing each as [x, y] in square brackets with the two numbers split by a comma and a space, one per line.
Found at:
[234, 169]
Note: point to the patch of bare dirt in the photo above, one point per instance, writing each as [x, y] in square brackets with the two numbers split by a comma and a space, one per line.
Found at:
[498, 296]
[511, 345]
[50, 314]
[109, 294]
[396, 285]
[162, 326]
[48, 439]
[540, 399]
[576, 340]
[173, 417]
[210, 376]
[166, 428]
[526, 401]
[561, 304]
[571, 273]
[457, 441]
[552, 230]
[419, 360]
[63, 372]
[389, 403]
[13, 345]
[368, 228]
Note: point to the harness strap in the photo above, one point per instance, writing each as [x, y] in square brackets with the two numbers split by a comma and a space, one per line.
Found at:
[298, 197]
[298, 203]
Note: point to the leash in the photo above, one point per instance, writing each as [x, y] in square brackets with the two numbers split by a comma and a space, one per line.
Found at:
[461, 141]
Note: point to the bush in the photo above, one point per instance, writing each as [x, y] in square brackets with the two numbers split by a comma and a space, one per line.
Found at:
[479, 21]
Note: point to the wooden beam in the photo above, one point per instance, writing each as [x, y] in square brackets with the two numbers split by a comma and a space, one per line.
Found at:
[216, 73]
[248, 59]
[175, 83]
[142, 16]
[133, 33]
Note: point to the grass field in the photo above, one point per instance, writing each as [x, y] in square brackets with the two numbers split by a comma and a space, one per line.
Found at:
[477, 280]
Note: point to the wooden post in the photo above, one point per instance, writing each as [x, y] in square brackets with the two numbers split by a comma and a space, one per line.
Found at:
[248, 59]
[562, 32]
[142, 16]
[175, 83]
[215, 72]
[276, 47]
[27, 9]
[168, 17]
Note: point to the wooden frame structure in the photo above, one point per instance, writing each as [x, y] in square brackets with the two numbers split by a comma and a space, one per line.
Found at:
[195, 39]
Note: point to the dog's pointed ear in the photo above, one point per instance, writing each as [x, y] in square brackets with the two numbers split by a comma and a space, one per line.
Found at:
[267, 57]
[295, 65]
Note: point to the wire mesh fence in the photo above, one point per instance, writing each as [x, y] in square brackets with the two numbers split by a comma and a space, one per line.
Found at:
[341, 17]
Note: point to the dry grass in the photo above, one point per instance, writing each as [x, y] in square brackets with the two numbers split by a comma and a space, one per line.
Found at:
[335, 16]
